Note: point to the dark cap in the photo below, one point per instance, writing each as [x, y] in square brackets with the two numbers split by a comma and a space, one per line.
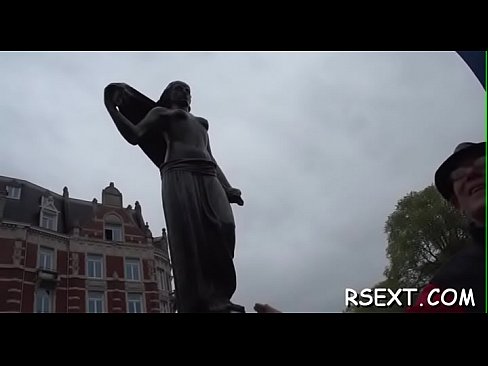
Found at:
[462, 151]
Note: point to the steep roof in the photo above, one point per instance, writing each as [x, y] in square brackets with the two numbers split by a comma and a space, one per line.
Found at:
[71, 211]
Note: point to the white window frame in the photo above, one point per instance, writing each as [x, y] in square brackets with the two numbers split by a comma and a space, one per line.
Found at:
[115, 228]
[131, 300]
[95, 258]
[98, 297]
[168, 281]
[14, 192]
[50, 300]
[161, 278]
[129, 269]
[53, 216]
[42, 253]
[48, 208]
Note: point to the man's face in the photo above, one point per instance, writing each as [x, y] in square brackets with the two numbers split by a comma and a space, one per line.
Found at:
[469, 187]
[180, 93]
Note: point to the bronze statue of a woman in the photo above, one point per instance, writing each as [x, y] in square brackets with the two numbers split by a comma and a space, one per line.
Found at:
[196, 194]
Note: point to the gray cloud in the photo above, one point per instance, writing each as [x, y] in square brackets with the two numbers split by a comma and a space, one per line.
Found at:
[322, 146]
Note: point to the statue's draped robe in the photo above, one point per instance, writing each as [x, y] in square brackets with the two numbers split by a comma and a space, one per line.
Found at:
[201, 234]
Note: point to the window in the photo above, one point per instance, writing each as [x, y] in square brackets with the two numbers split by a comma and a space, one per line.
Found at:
[162, 279]
[113, 232]
[134, 303]
[132, 269]
[168, 282]
[49, 213]
[44, 303]
[95, 302]
[46, 258]
[49, 219]
[13, 192]
[95, 265]
[113, 228]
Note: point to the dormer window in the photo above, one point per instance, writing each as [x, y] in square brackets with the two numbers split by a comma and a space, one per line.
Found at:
[49, 214]
[13, 192]
[113, 230]
[49, 219]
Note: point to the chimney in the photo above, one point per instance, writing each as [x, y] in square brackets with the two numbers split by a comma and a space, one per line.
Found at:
[94, 206]
[67, 216]
[3, 199]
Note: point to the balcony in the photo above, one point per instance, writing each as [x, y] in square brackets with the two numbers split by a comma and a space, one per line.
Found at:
[47, 278]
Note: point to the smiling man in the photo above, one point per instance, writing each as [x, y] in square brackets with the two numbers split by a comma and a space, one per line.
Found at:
[461, 181]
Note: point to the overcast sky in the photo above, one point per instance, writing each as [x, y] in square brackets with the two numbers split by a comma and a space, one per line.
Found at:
[322, 146]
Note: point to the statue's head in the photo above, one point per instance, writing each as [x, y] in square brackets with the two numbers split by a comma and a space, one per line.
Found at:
[177, 92]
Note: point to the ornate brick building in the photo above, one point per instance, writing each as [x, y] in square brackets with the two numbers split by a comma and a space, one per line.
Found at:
[61, 254]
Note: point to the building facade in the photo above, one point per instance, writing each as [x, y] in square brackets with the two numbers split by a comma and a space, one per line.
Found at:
[65, 255]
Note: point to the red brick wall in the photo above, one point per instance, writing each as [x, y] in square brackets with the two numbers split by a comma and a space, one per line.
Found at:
[116, 285]
[115, 264]
[6, 295]
[152, 286]
[30, 276]
[11, 273]
[135, 233]
[28, 298]
[130, 227]
[76, 298]
[6, 250]
[61, 265]
[72, 292]
[152, 307]
[116, 299]
[61, 301]
[31, 255]
[145, 268]
[63, 282]
[76, 282]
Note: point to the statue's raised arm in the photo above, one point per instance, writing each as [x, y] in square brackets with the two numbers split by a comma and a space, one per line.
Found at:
[134, 106]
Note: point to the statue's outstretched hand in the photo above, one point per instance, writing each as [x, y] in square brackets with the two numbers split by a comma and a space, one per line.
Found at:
[234, 196]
